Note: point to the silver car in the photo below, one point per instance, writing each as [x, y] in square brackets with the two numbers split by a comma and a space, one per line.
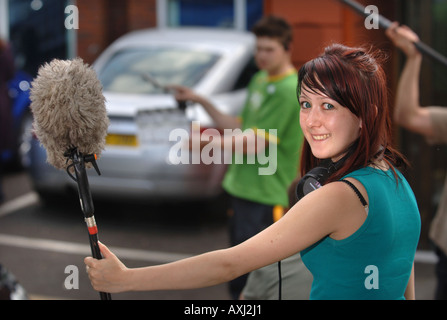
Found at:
[134, 71]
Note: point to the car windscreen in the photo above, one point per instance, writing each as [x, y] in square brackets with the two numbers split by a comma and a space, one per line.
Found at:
[147, 70]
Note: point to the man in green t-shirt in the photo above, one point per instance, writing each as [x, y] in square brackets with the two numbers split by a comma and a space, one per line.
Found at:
[258, 177]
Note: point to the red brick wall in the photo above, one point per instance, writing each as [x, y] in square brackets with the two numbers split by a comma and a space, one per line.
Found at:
[142, 14]
[103, 21]
[92, 28]
[316, 23]
[319, 23]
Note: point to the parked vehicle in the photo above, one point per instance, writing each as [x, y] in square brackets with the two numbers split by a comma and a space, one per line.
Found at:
[133, 70]
[19, 91]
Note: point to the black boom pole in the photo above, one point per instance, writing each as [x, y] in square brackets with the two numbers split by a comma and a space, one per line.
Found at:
[78, 164]
[385, 24]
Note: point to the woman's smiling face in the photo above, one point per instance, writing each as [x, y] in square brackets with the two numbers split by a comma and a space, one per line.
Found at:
[328, 127]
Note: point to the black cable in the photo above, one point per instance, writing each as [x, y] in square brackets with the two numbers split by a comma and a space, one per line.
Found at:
[279, 281]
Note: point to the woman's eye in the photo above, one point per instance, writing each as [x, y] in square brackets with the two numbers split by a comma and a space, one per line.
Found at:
[305, 105]
[328, 106]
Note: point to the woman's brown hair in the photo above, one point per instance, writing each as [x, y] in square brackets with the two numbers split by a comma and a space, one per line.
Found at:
[355, 79]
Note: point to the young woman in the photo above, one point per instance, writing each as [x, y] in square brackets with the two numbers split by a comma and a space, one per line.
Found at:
[353, 251]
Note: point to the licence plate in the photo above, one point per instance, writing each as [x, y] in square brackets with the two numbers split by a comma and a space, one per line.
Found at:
[122, 140]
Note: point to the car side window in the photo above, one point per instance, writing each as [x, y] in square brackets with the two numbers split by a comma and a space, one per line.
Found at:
[246, 74]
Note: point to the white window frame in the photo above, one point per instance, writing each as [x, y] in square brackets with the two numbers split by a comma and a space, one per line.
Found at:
[4, 20]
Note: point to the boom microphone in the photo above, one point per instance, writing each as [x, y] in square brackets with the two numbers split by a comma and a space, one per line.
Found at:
[70, 120]
[69, 110]
[385, 24]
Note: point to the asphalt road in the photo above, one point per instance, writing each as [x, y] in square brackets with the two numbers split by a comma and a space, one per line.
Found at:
[44, 245]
